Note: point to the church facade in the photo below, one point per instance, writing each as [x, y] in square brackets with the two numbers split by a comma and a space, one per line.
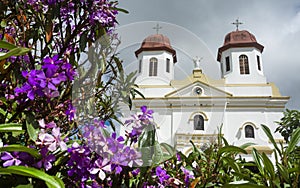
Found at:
[197, 107]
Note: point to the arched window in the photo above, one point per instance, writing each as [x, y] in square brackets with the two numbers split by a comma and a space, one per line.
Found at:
[244, 65]
[153, 67]
[198, 122]
[249, 131]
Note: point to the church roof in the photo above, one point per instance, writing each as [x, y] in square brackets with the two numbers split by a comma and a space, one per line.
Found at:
[157, 42]
[237, 39]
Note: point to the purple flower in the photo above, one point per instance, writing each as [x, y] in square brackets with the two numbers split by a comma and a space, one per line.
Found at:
[10, 159]
[34, 85]
[188, 175]
[51, 65]
[80, 162]
[51, 141]
[71, 112]
[139, 122]
[100, 167]
[135, 172]
[16, 158]
[46, 126]
[161, 174]
[46, 161]
[178, 157]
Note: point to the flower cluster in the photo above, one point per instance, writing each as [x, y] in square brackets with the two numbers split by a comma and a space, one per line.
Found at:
[50, 137]
[162, 175]
[104, 155]
[139, 123]
[45, 82]
[112, 148]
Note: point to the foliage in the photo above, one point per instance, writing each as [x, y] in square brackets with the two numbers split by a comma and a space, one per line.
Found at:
[61, 85]
[288, 124]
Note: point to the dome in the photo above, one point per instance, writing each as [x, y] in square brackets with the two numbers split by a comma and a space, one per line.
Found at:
[157, 42]
[237, 39]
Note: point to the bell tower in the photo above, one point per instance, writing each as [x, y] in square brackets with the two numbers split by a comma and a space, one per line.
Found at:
[156, 59]
[240, 58]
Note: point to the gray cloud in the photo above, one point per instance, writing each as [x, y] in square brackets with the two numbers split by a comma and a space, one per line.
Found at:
[275, 23]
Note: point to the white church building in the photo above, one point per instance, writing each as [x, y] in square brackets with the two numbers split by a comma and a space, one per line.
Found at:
[196, 107]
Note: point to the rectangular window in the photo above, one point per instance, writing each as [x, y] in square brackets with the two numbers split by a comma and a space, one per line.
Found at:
[258, 62]
[222, 70]
[168, 65]
[140, 66]
[227, 64]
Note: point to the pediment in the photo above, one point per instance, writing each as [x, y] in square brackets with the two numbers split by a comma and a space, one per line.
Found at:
[198, 89]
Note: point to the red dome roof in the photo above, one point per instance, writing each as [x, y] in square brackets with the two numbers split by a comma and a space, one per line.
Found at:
[157, 42]
[237, 39]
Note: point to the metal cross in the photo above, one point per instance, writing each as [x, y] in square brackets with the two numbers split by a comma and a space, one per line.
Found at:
[237, 23]
[157, 27]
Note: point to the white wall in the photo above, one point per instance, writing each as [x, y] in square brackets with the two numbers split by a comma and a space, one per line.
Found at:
[233, 76]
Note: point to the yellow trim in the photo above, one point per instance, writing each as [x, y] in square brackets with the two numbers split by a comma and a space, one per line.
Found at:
[221, 106]
[197, 76]
[246, 85]
[199, 112]
[275, 90]
[260, 149]
[195, 82]
[278, 141]
[154, 86]
[225, 97]
[199, 135]
[248, 123]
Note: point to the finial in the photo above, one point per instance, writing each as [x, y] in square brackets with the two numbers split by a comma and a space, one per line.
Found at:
[197, 61]
[237, 23]
[157, 27]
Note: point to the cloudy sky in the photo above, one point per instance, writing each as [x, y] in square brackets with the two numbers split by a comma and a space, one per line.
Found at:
[275, 23]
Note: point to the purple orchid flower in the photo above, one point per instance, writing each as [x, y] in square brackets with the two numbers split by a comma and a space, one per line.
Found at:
[46, 161]
[161, 174]
[52, 141]
[16, 158]
[101, 166]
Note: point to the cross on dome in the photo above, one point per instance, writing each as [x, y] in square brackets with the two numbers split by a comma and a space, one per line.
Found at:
[237, 23]
[157, 27]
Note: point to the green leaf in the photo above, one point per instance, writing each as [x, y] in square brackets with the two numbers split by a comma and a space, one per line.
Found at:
[231, 149]
[3, 23]
[14, 52]
[50, 181]
[295, 139]
[268, 165]
[242, 184]
[244, 146]
[283, 172]
[32, 127]
[171, 150]
[83, 41]
[120, 10]
[270, 136]
[16, 147]
[25, 186]
[257, 160]
[11, 127]
[158, 154]
[7, 45]
[232, 163]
